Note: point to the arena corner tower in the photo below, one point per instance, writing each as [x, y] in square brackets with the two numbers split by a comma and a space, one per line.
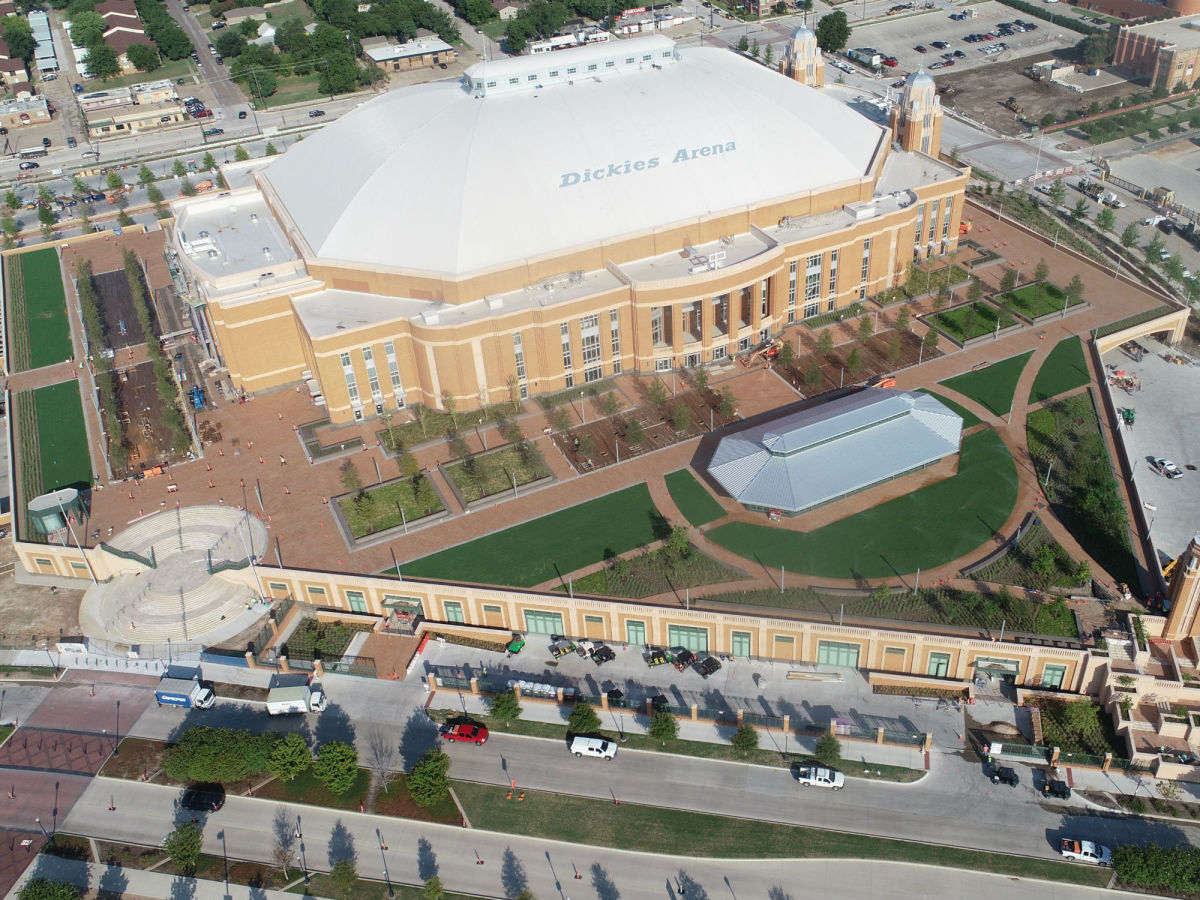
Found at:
[550, 220]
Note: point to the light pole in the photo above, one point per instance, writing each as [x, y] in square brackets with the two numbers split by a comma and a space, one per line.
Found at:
[117, 732]
[45, 834]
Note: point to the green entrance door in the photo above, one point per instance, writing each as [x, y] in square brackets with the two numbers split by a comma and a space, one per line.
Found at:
[694, 639]
[635, 633]
[740, 644]
[832, 653]
[538, 622]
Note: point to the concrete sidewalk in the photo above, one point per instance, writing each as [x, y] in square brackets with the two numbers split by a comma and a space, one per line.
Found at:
[133, 883]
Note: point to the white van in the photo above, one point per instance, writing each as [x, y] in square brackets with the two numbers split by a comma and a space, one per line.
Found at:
[597, 748]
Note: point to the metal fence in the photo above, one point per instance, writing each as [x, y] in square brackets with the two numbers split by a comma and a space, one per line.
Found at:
[718, 715]
[1080, 759]
[1027, 752]
[903, 737]
[1128, 765]
[763, 721]
[362, 666]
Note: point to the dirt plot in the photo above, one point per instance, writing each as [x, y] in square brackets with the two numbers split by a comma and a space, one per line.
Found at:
[873, 354]
[119, 316]
[981, 93]
[607, 437]
[33, 613]
[136, 391]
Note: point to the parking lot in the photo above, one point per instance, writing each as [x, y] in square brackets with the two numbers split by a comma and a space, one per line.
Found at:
[1159, 431]
[898, 36]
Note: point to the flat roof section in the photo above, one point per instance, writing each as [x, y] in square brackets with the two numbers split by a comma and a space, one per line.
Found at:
[227, 234]
[1184, 31]
[827, 451]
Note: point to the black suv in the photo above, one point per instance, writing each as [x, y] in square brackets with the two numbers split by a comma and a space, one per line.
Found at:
[1059, 789]
[707, 666]
[682, 658]
[203, 797]
[603, 654]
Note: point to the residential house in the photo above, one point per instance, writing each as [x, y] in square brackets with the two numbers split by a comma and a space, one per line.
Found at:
[422, 52]
[12, 70]
[242, 13]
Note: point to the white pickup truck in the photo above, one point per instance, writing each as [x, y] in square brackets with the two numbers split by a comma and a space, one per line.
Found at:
[1085, 851]
[819, 777]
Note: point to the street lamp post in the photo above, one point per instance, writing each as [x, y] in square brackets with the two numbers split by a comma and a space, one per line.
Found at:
[45, 834]
[117, 732]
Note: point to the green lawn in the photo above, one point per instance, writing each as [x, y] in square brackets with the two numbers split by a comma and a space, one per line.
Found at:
[697, 505]
[62, 438]
[292, 89]
[494, 30]
[377, 509]
[491, 473]
[179, 68]
[306, 788]
[971, 320]
[631, 826]
[1037, 299]
[553, 545]
[1064, 370]
[926, 528]
[322, 886]
[992, 387]
[969, 418]
[46, 307]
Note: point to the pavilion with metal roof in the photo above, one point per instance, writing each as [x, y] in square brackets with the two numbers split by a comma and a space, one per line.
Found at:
[828, 451]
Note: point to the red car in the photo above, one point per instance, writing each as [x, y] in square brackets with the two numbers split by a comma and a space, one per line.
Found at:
[467, 732]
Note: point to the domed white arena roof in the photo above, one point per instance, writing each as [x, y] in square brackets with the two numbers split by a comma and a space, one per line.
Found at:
[529, 156]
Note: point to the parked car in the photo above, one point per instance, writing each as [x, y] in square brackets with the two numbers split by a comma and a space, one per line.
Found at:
[203, 797]
[315, 113]
[465, 732]
[241, 114]
[1166, 468]
[78, 88]
[958, 54]
[659, 703]
[1085, 851]
[27, 165]
[597, 748]
[616, 699]
[213, 132]
[45, 142]
[71, 142]
[603, 654]
[93, 198]
[682, 657]
[921, 48]
[707, 666]
[941, 45]
[1059, 789]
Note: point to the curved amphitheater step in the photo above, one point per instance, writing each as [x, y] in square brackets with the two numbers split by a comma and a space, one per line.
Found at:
[230, 533]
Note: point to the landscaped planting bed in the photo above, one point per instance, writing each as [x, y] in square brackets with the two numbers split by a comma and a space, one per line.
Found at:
[377, 509]
[1077, 726]
[1038, 299]
[38, 304]
[322, 640]
[971, 320]
[1036, 561]
[656, 572]
[494, 472]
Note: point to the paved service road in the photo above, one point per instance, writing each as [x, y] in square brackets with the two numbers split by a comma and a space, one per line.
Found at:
[248, 828]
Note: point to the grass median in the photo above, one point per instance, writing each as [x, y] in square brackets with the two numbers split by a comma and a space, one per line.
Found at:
[647, 829]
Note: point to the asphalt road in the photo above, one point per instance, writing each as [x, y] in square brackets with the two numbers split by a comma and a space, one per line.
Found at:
[251, 828]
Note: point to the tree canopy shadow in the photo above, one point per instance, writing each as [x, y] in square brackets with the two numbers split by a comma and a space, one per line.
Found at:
[512, 874]
[427, 864]
[341, 844]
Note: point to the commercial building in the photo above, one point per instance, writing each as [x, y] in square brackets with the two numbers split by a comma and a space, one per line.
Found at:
[423, 51]
[551, 220]
[1165, 53]
[21, 111]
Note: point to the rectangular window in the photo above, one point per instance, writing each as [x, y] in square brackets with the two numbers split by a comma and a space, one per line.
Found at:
[79, 565]
[454, 611]
[866, 269]
[358, 603]
[656, 326]
[833, 261]
[372, 374]
[565, 332]
[614, 334]
[812, 309]
[694, 639]
[662, 365]
[513, 80]
[933, 221]
[1052, 677]
[939, 665]
[594, 620]
[589, 330]
[893, 651]
[946, 220]
[635, 633]
[389, 352]
[792, 282]
[351, 380]
[591, 67]
[835, 653]
[554, 73]
[812, 277]
[720, 307]
[739, 644]
[766, 297]
[316, 594]
[571, 71]
[920, 230]
[745, 299]
[539, 622]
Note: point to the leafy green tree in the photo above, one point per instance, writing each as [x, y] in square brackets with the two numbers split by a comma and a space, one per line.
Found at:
[1080, 210]
[143, 57]
[337, 767]
[506, 706]
[681, 419]
[656, 393]
[828, 751]
[1058, 192]
[1106, 219]
[610, 403]
[865, 328]
[854, 362]
[113, 180]
[678, 542]
[11, 231]
[102, 61]
[343, 875]
[825, 342]
[145, 176]
[289, 757]
[583, 719]
[1008, 280]
[178, 169]
[229, 43]
[429, 780]
[833, 31]
[45, 889]
[433, 889]
[45, 215]
[240, 153]
[930, 341]
[1173, 267]
[975, 290]
[183, 846]
[270, 150]
[1075, 287]
[663, 726]
[208, 163]
[1130, 236]
[1041, 271]
[153, 194]
[11, 200]
[1047, 120]
[893, 347]
[87, 28]
[745, 739]
[812, 377]
[786, 353]
[19, 36]
[1155, 249]
[903, 318]
[743, 43]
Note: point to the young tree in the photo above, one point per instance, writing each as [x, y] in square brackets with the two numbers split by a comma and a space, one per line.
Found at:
[975, 290]
[270, 150]
[11, 230]
[183, 847]
[893, 347]
[903, 318]
[678, 542]
[681, 419]
[12, 201]
[941, 299]
[1058, 190]
[700, 378]
[825, 342]
[289, 757]
[506, 706]
[583, 719]
[177, 168]
[46, 217]
[1130, 236]
[1106, 219]
[1155, 249]
[1041, 271]
[930, 340]
[833, 31]
[656, 393]
[768, 55]
[429, 780]
[854, 362]
[351, 480]
[970, 322]
[113, 180]
[745, 739]
[610, 403]
[865, 328]
[154, 194]
[433, 889]
[1080, 210]
[145, 176]
[754, 48]
[240, 153]
[786, 353]
[343, 875]
[208, 163]
[812, 378]
[663, 726]
[633, 433]
[1008, 280]
[1075, 288]
[336, 766]
[828, 750]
